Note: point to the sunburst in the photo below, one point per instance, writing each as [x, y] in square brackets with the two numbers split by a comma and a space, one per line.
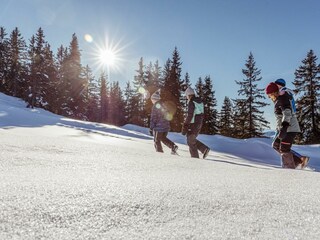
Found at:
[109, 55]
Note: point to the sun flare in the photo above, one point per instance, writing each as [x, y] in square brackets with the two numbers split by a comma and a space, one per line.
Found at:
[108, 57]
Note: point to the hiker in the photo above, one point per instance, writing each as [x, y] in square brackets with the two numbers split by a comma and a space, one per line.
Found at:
[160, 124]
[287, 127]
[193, 123]
[300, 161]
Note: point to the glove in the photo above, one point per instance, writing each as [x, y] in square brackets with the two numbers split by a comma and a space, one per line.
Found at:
[283, 130]
[185, 128]
[151, 132]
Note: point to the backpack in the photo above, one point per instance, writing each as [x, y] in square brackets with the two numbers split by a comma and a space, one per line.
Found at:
[292, 101]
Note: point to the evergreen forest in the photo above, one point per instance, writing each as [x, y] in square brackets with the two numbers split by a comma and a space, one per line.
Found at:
[60, 84]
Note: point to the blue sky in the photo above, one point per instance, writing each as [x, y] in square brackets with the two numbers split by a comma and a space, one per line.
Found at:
[214, 37]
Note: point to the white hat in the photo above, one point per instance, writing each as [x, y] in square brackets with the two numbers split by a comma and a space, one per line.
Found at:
[155, 96]
[189, 91]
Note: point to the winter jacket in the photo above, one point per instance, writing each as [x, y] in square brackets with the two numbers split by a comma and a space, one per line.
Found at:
[195, 115]
[159, 118]
[285, 113]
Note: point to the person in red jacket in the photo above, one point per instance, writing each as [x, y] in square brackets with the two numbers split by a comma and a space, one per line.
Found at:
[287, 127]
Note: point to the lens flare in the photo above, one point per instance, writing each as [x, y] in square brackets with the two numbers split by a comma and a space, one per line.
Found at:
[141, 90]
[158, 105]
[88, 38]
[169, 116]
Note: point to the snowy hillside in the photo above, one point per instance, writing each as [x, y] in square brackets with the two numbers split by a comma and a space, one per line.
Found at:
[68, 179]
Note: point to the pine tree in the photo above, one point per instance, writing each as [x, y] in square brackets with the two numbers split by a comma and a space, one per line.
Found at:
[74, 75]
[4, 51]
[307, 86]
[183, 99]
[63, 86]
[199, 87]
[92, 96]
[172, 91]
[131, 105]
[186, 82]
[104, 101]
[50, 86]
[157, 78]
[116, 105]
[241, 116]
[226, 118]
[151, 87]
[251, 105]
[210, 123]
[40, 68]
[15, 64]
[139, 84]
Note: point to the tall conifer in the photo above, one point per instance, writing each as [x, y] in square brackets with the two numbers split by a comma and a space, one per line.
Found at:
[210, 123]
[307, 86]
[172, 90]
[251, 105]
[226, 122]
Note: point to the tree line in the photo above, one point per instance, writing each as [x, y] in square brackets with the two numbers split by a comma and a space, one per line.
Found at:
[62, 85]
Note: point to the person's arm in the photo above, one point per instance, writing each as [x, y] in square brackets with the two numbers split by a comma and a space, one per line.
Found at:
[285, 106]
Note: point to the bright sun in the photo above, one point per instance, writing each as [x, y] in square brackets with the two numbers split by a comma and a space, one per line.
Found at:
[107, 57]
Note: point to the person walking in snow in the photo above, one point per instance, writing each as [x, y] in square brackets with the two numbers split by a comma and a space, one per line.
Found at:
[298, 158]
[193, 123]
[160, 125]
[287, 127]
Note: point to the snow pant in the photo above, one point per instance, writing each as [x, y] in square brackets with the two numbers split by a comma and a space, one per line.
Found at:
[195, 145]
[289, 158]
[161, 137]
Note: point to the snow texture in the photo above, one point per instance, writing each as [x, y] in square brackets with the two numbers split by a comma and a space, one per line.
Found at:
[67, 179]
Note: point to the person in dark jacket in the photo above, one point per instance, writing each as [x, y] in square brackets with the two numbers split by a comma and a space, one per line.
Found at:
[287, 127]
[193, 123]
[299, 160]
[160, 124]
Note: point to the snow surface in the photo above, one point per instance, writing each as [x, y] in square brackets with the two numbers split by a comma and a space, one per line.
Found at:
[67, 179]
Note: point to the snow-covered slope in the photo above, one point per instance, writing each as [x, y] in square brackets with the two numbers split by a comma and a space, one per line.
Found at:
[68, 179]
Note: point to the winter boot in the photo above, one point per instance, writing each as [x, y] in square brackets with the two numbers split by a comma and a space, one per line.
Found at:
[287, 160]
[206, 153]
[174, 150]
[304, 160]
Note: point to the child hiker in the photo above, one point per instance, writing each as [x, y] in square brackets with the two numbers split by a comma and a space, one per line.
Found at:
[287, 127]
[160, 125]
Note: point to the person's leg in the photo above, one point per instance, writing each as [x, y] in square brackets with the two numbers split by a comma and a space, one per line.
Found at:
[157, 141]
[201, 146]
[276, 144]
[285, 150]
[300, 160]
[296, 157]
[166, 141]
[192, 143]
